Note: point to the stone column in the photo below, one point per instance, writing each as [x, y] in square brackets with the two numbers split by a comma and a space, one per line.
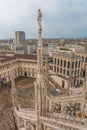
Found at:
[53, 64]
[25, 124]
[50, 106]
[83, 105]
[38, 103]
[62, 105]
[44, 99]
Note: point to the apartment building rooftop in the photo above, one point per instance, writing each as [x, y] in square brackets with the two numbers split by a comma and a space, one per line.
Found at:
[67, 55]
[82, 51]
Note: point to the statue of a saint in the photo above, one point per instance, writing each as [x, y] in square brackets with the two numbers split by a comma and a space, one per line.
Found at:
[39, 19]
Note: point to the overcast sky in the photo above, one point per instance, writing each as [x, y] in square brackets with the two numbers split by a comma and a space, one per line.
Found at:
[61, 18]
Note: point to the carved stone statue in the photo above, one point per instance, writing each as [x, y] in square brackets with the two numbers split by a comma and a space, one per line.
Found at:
[39, 19]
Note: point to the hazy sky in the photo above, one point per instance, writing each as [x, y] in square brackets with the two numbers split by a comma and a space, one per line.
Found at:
[61, 18]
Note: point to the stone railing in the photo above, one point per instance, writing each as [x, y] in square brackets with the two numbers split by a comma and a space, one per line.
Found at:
[7, 123]
[76, 96]
[57, 116]
[26, 114]
[65, 122]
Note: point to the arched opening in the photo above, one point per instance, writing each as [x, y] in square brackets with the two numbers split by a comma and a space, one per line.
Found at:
[84, 74]
[25, 73]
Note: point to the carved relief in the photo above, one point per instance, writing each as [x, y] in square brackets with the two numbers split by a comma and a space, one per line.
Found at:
[56, 108]
[72, 109]
[30, 126]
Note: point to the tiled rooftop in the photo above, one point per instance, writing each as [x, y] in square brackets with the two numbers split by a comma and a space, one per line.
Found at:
[17, 56]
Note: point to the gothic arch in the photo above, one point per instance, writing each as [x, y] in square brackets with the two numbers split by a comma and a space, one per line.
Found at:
[56, 107]
[30, 125]
[71, 108]
[49, 128]
[67, 104]
[66, 108]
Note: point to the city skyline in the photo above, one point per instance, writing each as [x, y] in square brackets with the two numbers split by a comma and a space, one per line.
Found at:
[60, 18]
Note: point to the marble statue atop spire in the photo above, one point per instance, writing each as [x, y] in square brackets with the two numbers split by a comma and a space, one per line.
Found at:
[39, 19]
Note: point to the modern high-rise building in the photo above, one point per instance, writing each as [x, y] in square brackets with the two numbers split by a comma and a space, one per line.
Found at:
[19, 37]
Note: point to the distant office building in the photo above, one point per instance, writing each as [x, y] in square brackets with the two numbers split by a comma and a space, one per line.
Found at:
[51, 48]
[19, 37]
[30, 48]
[19, 42]
[19, 49]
